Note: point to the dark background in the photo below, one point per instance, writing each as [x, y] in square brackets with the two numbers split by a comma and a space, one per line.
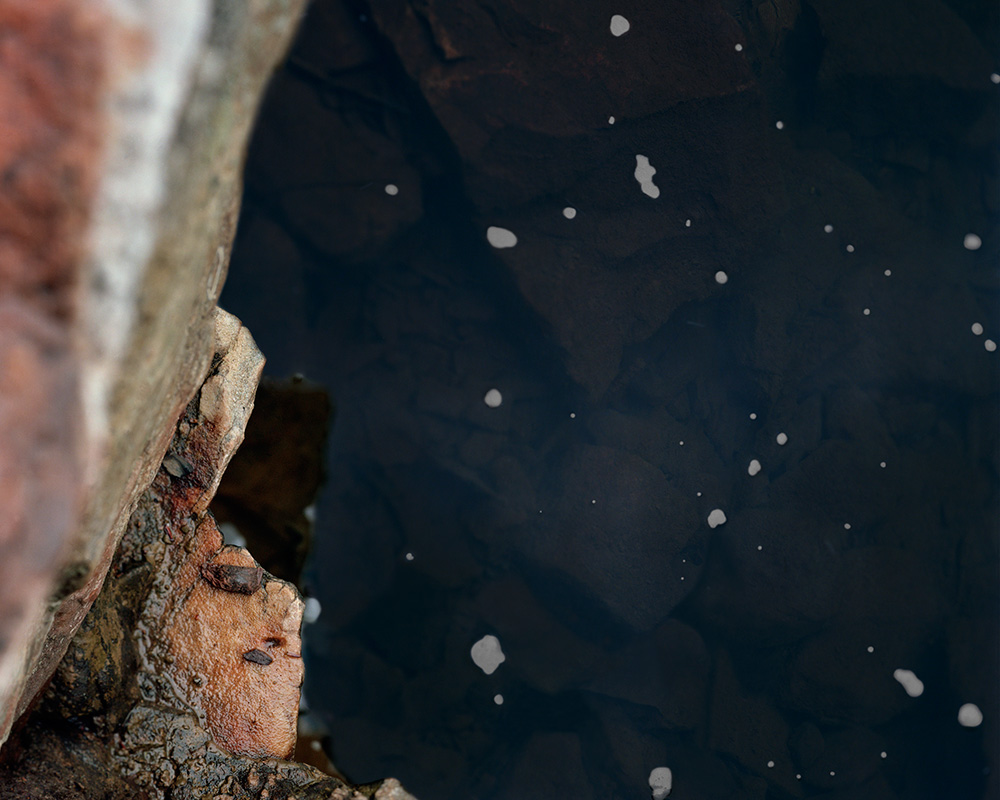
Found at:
[754, 659]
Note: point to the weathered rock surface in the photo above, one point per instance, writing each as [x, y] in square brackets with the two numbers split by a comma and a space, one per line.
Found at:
[122, 141]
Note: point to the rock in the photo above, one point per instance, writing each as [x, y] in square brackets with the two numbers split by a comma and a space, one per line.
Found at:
[118, 222]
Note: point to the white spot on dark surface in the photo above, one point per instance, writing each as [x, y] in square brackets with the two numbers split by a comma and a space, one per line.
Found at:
[500, 238]
[969, 716]
[569, 212]
[498, 699]
[311, 610]
[867, 312]
[779, 125]
[849, 248]
[911, 683]
[887, 273]
[972, 242]
[661, 782]
[884, 754]
[716, 518]
[739, 48]
[409, 556]
[721, 277]
[572, 415]
[770, 765]
[644, 172]
[687, 223]
[487, 654]
[754, 467]
[871, 649]
[753, 415]
[977, 329]
[493, 398]
[828, 228]
[611, 120]
[995, 77]
[881, 464]
[990, 345]
[619, 25]
[847, 526]
[781, 438]
[391, 189]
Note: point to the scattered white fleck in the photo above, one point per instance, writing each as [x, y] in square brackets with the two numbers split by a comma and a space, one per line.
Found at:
[969, 716]
[779, 125]
[498, 699]
[828, 228]
[409, 556]
[500, 238]
[849, 248]
[684, 561]
[611, 120]
[884, 754]
[391, 189]
[315, 745]
[754, 467]
[661, 781]
[716, 518]
[739, 48]
[913, 685]
[619, 25]
[681, 443]
[888, 272]
[847, 526]
[781, 438]
[699, 494]
[760, 547]
[721, 277]
[770, 765]
[972, 242]
[871, 649]
[977, 329]
[493, 398]
[539, 511]
[572, 415]
[593, 502]
[569, 212]
[798, 777]
[995, 77]
[687, 223]
[881, 464]
[487, 654]
[682, 577]
[832, 773]
[309, 512]
[311, 610]
[990, 345]
[753, 415]
[644, 172]
[867, 312]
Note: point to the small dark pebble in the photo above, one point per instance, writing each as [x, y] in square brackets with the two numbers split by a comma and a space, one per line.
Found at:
[231, 578]
[258, 657]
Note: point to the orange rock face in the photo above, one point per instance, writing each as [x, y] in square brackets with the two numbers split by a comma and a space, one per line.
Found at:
[236, 657]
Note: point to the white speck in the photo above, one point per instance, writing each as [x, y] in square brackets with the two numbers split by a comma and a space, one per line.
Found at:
[716, 518]
[682, 577]
[972, 242]
[867, 312]
[611, 120]
[619, 25]
[699, 494]
[500, 238]
[781, 438]
[739, 48]
[754, 467]
[493, 398]
[661, 781]
[832, 773]
[990, 345]
[969, 716]
[311, 610]
[593, 502]
[309, 512]
[798, 777]
[760, 547]
[753, 415]
[849, 248]
[881, 464]
[391, 189]
[498, 699]
[887, 273]
[871, 649]
[487, 655]
[681, 444]
[644, 172]
[779, 125]
[569, 212]
[884, 754]
[913, 685]
[770, 765]
[995, 77]
[828, 228]
[847, 526]
[977, 329]
[539, 511]
[572, 415]
[721, 277]
[315, 745]
[687, 223]
[409, 556]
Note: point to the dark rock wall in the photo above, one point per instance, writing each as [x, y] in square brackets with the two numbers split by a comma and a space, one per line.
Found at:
[756, 658]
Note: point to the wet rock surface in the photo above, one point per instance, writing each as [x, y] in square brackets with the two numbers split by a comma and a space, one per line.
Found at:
[531, 439]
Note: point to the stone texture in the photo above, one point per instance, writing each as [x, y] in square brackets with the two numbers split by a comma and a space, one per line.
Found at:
[123, 165]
